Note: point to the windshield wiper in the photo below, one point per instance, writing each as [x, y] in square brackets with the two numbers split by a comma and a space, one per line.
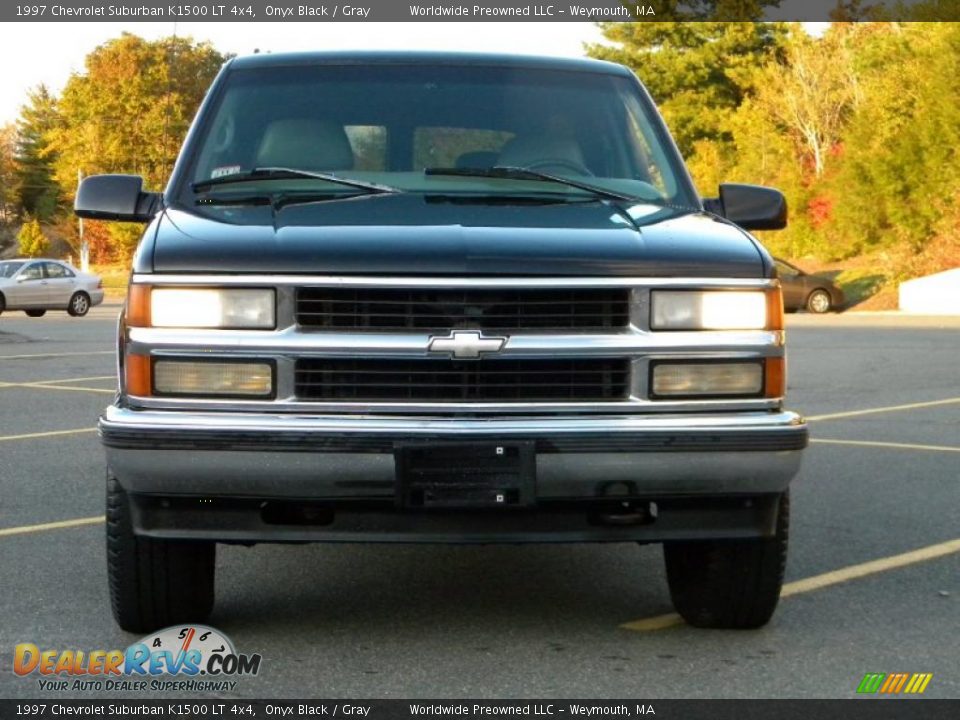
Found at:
[279, 200]
[509, 172]
[278, 173]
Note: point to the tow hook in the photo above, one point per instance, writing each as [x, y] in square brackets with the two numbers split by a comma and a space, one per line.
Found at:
[625, 513]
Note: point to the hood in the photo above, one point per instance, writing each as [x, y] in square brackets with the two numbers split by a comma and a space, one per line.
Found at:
[412, 234]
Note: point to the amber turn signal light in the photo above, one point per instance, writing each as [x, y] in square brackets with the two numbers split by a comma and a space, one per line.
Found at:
[775, 377]
[137, 368]
[138, 306]
[774, 309]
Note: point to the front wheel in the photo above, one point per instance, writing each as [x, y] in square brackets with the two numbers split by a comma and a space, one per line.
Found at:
[154, 583]
[819, 302]
[79, 304]
[733, 584]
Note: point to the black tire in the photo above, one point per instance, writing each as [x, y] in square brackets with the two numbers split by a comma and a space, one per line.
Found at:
[732, 584]
[819, 302]
[154, 583]
[35, 313]
[3, 303]
[79, 304]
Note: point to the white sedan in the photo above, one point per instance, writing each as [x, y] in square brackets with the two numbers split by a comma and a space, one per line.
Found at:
[38, 285]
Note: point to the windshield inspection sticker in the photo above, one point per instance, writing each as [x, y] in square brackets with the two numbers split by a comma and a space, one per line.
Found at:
[225, 170]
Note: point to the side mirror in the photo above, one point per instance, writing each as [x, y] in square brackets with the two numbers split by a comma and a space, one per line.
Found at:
[752, 207]
[115, 197]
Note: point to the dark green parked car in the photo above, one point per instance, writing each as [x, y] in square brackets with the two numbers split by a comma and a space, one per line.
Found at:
[806, 291]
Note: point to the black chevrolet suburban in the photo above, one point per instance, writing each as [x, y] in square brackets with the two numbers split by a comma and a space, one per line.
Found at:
[444, 298]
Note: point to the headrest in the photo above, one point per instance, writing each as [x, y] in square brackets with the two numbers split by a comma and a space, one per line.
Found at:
[305, 145]
[531, 149]
[476, 159]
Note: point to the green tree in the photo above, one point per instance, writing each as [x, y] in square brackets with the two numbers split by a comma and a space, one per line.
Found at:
[8, 173]
[36, 188]
[900, 170]
[33, 243]
[699, 73]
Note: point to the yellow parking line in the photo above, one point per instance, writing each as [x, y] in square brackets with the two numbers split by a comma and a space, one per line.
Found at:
[70, 380]
[49, 386]
[931, 552]
[895, 445]
[77, 522]
[657, 622]
[56, 355]
[75, 388]
[51, 433]
[818, 582]
[890, 408]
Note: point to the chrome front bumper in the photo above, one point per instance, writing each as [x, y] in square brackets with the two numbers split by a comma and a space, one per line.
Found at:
[341, 457]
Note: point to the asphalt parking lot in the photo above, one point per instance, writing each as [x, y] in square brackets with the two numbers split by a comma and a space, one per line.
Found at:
[873, 576]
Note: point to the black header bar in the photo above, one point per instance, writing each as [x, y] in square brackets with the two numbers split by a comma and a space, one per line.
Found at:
[482, 11]
[230, 709]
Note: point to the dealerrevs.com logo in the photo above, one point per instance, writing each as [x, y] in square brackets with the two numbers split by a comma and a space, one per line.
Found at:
[180, 658]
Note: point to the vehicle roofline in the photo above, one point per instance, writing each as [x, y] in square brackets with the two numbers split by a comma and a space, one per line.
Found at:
[426, 57]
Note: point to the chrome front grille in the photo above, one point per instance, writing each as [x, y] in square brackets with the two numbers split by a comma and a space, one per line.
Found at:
[444, 309]
[441, 380]
[584, 346]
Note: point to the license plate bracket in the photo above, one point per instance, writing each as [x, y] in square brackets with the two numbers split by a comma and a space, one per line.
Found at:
[468, 475]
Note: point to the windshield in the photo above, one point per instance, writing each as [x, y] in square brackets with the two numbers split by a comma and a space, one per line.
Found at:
[9, 269]
[388, 124]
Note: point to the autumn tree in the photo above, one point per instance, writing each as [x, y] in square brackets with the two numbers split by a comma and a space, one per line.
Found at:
[811, 93]
[129, 110]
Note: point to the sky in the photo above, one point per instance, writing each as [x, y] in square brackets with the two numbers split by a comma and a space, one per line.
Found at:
[48, 52]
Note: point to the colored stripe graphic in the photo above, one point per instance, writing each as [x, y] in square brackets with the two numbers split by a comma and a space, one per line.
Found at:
[871, 682]
[919, 681]
[898, 686]
[894, 683]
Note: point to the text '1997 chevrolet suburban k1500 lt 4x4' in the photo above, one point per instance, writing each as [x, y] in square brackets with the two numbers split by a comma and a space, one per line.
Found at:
[444, 298]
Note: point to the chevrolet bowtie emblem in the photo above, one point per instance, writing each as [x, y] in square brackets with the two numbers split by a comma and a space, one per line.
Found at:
[466, 344]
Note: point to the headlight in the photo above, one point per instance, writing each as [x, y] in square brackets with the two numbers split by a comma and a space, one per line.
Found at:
[225, 308]
[715, 309]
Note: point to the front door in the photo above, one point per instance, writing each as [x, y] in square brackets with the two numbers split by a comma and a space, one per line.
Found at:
[30, 289]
